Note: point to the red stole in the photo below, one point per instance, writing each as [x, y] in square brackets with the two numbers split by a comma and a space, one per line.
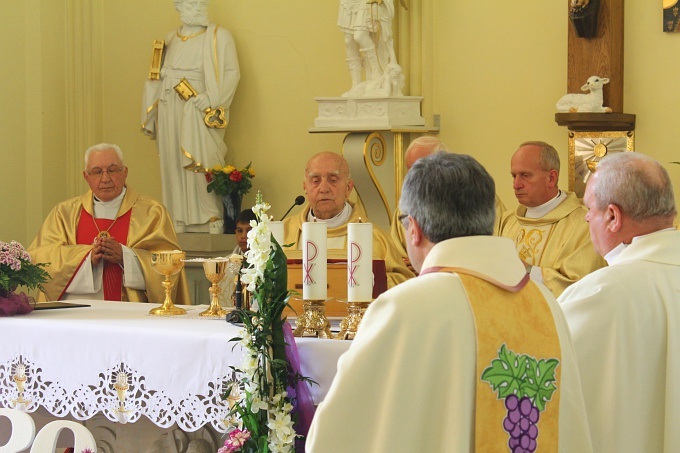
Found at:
[118, 229]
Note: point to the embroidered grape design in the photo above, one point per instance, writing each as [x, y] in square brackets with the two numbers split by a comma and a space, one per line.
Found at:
[520, 423]
[525, 385]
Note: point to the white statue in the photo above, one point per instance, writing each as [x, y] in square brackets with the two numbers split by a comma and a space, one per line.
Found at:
[367, 25]
[591, 102]
[187, 110]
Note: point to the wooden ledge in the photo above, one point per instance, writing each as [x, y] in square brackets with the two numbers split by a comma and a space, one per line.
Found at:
[586, 122]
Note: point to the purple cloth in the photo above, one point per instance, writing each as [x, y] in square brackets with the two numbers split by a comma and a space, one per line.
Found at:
[16, 304]
[303, 403]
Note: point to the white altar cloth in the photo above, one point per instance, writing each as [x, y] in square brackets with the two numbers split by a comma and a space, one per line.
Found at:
[169, 369]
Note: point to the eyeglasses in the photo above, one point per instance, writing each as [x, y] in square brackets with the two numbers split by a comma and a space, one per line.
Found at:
[402, 217]
[113, 170]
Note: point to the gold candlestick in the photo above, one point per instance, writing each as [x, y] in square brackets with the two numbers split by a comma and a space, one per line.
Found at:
[215, 271]
[167, 263]
[350, 323]
[313, 321]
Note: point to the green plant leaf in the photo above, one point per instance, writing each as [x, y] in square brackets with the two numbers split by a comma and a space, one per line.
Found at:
[540, 382]
[506, 373]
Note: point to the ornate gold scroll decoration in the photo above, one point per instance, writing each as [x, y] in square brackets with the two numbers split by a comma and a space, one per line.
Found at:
[375, 150]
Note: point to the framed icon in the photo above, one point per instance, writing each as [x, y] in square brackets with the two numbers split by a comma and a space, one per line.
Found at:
[587, 148]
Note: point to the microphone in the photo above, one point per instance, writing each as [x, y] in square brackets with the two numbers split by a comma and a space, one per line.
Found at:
[298, 201]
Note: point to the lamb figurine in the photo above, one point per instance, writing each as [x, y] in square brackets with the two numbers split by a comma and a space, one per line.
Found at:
[591, 102]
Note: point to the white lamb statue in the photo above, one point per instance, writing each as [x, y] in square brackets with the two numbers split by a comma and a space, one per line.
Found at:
[591, 102]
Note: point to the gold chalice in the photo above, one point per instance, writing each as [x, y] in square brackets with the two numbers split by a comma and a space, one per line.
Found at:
[215, 269]
[167, 263]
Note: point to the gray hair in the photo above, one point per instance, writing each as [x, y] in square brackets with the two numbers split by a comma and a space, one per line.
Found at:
[103, 147]
[449, 195]
[636, 183]
[550, 160]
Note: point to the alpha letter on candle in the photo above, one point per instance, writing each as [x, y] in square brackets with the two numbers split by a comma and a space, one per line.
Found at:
[314, 272]
[360, 262]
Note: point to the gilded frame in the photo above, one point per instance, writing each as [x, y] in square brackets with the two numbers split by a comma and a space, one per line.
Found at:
[587, 148]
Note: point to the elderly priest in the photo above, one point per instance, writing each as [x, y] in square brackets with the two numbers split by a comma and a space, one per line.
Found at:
[99, 244]
[328, 184]
[428, 369]
[625, 318]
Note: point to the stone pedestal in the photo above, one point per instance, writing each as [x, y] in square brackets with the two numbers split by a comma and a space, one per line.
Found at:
[369, 113]
[203, 245]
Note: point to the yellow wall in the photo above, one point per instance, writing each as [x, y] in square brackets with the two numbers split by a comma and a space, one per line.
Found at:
[73, 76]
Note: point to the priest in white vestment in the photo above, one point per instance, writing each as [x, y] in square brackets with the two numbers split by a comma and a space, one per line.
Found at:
[411, 379]
[625, 318]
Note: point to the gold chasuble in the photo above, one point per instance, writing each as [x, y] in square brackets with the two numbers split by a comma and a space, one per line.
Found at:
[559, 243]
[518, 374]
[149, 228]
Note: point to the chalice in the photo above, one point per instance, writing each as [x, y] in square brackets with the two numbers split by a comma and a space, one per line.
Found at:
[167, 263]
[215, 269]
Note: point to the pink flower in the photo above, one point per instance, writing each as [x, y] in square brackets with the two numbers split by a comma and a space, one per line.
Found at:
[237, 438]
[208, 177]
[236, 176]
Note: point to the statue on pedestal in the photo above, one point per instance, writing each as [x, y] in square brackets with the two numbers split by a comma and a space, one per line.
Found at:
[186, 101]
[367, 26]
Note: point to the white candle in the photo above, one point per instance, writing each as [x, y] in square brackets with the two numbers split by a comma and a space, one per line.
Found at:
[360, 262]
[314, 253]
[276, 228]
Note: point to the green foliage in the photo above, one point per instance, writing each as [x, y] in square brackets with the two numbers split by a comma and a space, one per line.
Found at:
[224, 180]
[522, 375]
[16, 269]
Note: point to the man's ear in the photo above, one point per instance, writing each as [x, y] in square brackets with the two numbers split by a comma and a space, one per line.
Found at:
[614, 217]
[414, 232]
[350, 186]
[553, 178]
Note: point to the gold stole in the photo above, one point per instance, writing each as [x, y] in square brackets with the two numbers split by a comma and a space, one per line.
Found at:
[518, 356]
[530, 243]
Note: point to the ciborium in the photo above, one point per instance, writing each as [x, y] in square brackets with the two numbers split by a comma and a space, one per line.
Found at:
[215, 270]
[168, 263]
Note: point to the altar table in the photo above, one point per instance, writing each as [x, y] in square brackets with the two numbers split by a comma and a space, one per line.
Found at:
[112, 358]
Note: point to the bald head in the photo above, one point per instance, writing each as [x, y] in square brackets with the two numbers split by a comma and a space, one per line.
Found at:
[421, 147]
[327, 184]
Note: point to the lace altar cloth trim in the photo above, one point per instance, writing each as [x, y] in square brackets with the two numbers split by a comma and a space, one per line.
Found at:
[120, 394]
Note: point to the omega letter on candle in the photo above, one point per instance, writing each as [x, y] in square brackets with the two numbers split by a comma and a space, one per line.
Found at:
[359, 262]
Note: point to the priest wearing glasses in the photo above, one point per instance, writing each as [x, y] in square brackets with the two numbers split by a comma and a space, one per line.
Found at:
[99, 244]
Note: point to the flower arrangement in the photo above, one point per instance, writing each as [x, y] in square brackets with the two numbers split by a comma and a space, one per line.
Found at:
[17, 270]
[262, 418]
[225, 180]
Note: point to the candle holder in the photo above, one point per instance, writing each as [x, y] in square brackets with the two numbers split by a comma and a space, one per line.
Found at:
[167, 263]
[215, 270]
[313, 322]
[350, 323]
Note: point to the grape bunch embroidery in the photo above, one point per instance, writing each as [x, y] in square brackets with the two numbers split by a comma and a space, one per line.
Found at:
[526, 385]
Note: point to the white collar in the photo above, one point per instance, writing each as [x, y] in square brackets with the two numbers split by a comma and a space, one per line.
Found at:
[337, 221]
[540, 211]
[108, 209]
[616, 251]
